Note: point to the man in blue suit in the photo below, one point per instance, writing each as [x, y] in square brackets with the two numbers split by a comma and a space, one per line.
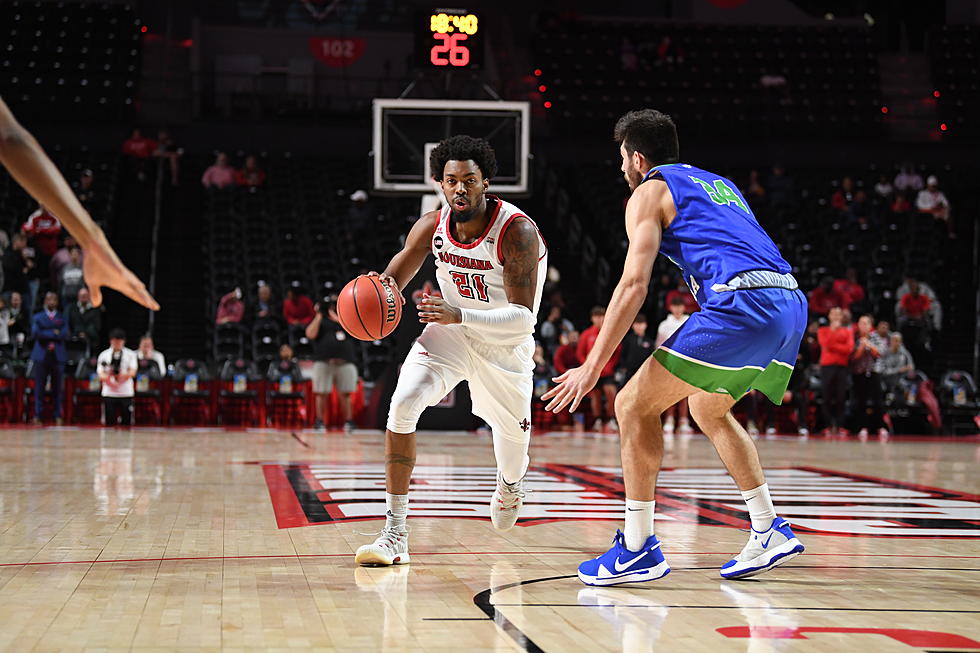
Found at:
[49, 328]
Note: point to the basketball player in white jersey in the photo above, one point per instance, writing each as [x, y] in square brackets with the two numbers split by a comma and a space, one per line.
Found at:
[490, 264]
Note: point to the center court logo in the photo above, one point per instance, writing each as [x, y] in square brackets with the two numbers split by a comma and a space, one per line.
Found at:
[814, 500]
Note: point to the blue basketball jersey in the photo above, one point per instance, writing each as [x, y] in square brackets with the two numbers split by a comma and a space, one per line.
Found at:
[714, 236]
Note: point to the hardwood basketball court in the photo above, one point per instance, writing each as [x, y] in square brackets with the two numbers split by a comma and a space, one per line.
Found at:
[198, 540]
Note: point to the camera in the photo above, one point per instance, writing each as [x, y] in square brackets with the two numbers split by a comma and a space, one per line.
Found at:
[116, 364]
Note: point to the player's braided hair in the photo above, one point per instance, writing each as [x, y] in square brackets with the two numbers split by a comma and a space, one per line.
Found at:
[463, 148]
[651, 133]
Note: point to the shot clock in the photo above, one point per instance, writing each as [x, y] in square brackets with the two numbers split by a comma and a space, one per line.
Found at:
[449, 39]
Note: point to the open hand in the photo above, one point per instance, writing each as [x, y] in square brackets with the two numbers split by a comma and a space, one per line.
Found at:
[103, 268]
[437, 310]
[572, 387]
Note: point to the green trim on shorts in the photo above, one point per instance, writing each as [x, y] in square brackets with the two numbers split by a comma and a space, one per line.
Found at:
[735, 381]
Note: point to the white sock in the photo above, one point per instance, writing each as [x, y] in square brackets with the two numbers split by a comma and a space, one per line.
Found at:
[761, 510]
[397, 512]
[639, 523]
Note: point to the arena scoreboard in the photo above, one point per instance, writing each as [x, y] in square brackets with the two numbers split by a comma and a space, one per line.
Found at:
[449, 39]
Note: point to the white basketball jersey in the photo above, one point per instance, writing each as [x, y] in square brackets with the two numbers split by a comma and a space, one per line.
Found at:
[472, 275]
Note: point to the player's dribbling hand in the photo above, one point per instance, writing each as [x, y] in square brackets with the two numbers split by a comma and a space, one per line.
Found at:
[389, 281]
[436, 310]
[572, 387]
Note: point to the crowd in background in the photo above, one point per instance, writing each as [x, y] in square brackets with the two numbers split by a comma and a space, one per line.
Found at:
[853, 367]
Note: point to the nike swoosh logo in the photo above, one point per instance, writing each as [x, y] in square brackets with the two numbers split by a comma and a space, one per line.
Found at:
[621, 568]
[765, 545]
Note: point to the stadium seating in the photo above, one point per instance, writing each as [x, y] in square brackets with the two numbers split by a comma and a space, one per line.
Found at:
[79, 59]
[715, 86]
[955, 54]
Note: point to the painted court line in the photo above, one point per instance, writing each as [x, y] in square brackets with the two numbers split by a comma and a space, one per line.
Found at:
[433, 553]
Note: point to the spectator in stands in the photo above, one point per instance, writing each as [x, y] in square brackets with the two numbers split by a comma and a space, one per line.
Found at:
[564, 359]
[913, 305]
[72, 277]
[606, 386]
[883, 332]
[19, 322]
[265, 309]
[85, 189]
[637, 347]
[117, 367]
[935, 312]
[900, 204]
[552, 328]
[297, 309]
[231, 308]
[334, 355]
[932, 201]
[884, 188]
[824, 297]
[138, 149]
[663, 284]
[668, 51]
[843, 196]
[865, 380]
[147, 352]
[850, 291]
[675, 318]
[50, 329]
[5, 346]
[913, 320]
[62, 257]
[543, 371]
[15, 263]
[168, 151]
[219, 174]
[85, 319]
[284, 371]
[43, 228]
[836, 345]
[908, 179]
[896, 362]
[860, 209]
[250, 176]
[682, 291]
[781, 187]
[30, 273]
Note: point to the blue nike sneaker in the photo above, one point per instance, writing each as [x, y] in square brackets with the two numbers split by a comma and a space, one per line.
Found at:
[764, 551]
[620, 565]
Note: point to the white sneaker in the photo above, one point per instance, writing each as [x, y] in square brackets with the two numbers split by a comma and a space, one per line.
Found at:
[505, 504]
[771, 430]
[613, 426]
[752, 430]
[686, 428]
[803, 432]
[764, 550]
[391, 548]
[669, 426]
[597, 425]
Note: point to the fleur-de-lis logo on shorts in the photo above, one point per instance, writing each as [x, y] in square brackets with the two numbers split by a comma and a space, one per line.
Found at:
[525, 425]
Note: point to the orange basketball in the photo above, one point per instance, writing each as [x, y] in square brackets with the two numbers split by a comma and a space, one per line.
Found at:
[368, 309]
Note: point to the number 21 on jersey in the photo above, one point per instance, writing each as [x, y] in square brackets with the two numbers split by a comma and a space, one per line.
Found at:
[471, 286]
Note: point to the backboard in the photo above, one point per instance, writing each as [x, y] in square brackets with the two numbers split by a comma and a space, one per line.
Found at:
[403, 127]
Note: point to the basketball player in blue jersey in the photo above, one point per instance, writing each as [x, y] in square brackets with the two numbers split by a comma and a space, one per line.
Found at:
[745, 336]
